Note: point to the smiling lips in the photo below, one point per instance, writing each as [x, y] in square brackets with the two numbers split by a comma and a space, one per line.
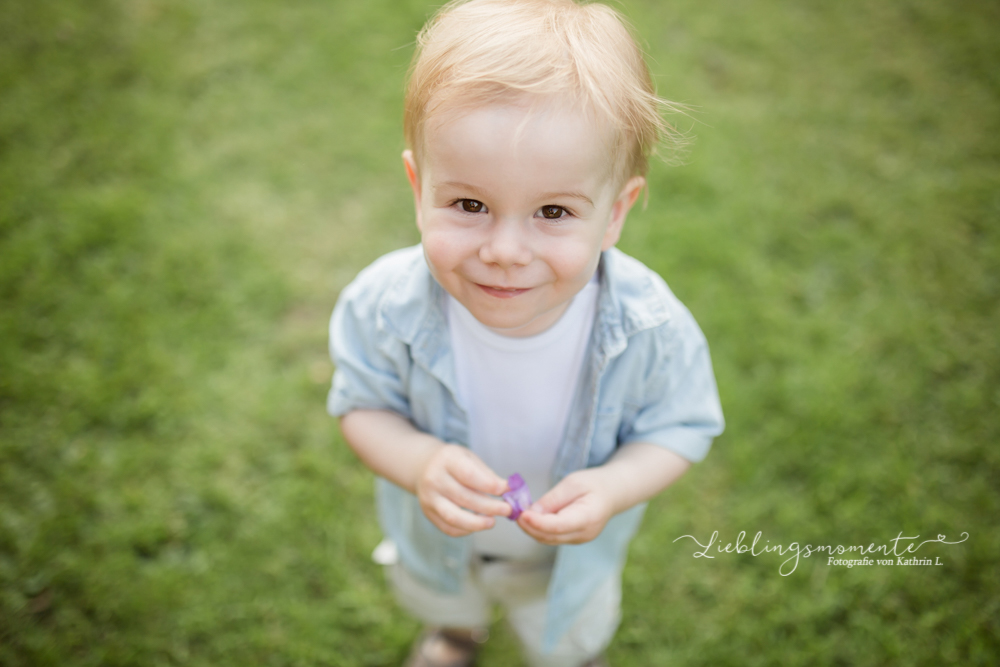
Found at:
[502, 292]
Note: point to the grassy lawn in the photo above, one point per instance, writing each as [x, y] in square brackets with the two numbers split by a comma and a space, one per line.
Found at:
[186, 186]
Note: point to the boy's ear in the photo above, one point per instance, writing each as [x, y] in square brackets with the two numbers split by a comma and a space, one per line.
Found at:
[411, 174]
[619, 210]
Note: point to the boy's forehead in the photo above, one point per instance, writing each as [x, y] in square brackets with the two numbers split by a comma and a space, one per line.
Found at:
[555, 110]
[521, 128]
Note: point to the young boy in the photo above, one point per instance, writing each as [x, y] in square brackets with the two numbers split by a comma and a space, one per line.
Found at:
[515, 338]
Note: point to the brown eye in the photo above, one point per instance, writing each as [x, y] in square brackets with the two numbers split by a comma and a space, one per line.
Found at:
[472, 206]
[552, 212]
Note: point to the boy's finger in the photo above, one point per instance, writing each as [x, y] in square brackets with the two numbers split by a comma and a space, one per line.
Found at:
[545, 537]
[553, 524]
[470, 470]
[558, 497]
[476, 502]
[459, 518]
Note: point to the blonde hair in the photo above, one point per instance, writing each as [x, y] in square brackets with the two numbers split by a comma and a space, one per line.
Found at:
[475, 52]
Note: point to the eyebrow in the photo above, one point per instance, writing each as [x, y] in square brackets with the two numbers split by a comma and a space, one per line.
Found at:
[570, 195]
[545, 195]
[461, 186]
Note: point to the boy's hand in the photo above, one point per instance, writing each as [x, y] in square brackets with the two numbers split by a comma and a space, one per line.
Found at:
[454, 491]
[572, 512]
[576, 509]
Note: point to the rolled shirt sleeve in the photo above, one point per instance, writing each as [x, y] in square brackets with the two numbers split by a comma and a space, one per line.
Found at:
[681, 410]
[368, 372]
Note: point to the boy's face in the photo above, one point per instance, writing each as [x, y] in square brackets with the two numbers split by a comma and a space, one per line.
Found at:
[514, 207]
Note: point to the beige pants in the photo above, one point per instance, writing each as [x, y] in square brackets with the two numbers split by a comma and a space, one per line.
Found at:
[519, 587]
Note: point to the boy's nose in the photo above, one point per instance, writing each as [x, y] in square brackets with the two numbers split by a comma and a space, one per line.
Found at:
[506, 244]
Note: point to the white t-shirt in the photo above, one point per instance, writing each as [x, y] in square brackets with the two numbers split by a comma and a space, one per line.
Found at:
[517, 393]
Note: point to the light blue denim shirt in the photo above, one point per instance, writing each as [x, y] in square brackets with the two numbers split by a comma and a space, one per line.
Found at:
[647, 377]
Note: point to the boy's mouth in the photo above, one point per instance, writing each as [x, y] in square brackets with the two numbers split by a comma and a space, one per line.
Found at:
[502, 292]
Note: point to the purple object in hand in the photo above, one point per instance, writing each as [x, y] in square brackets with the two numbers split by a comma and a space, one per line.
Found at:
[519, 496]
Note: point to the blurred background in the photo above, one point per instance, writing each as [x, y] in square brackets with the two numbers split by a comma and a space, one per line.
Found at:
[186, 186]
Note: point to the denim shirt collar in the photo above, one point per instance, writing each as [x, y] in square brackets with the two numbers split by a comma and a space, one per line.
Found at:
[412, 310]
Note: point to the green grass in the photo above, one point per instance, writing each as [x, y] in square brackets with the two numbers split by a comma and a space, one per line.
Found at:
[184, 188]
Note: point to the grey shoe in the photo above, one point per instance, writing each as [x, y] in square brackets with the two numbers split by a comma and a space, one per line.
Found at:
[446, 647]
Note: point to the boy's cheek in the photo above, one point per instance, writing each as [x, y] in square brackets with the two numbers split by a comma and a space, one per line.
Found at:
[440, 256]
[441, 245]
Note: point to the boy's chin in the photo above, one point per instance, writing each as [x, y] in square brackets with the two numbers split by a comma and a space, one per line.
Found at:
[517, 327]
[507, 328]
